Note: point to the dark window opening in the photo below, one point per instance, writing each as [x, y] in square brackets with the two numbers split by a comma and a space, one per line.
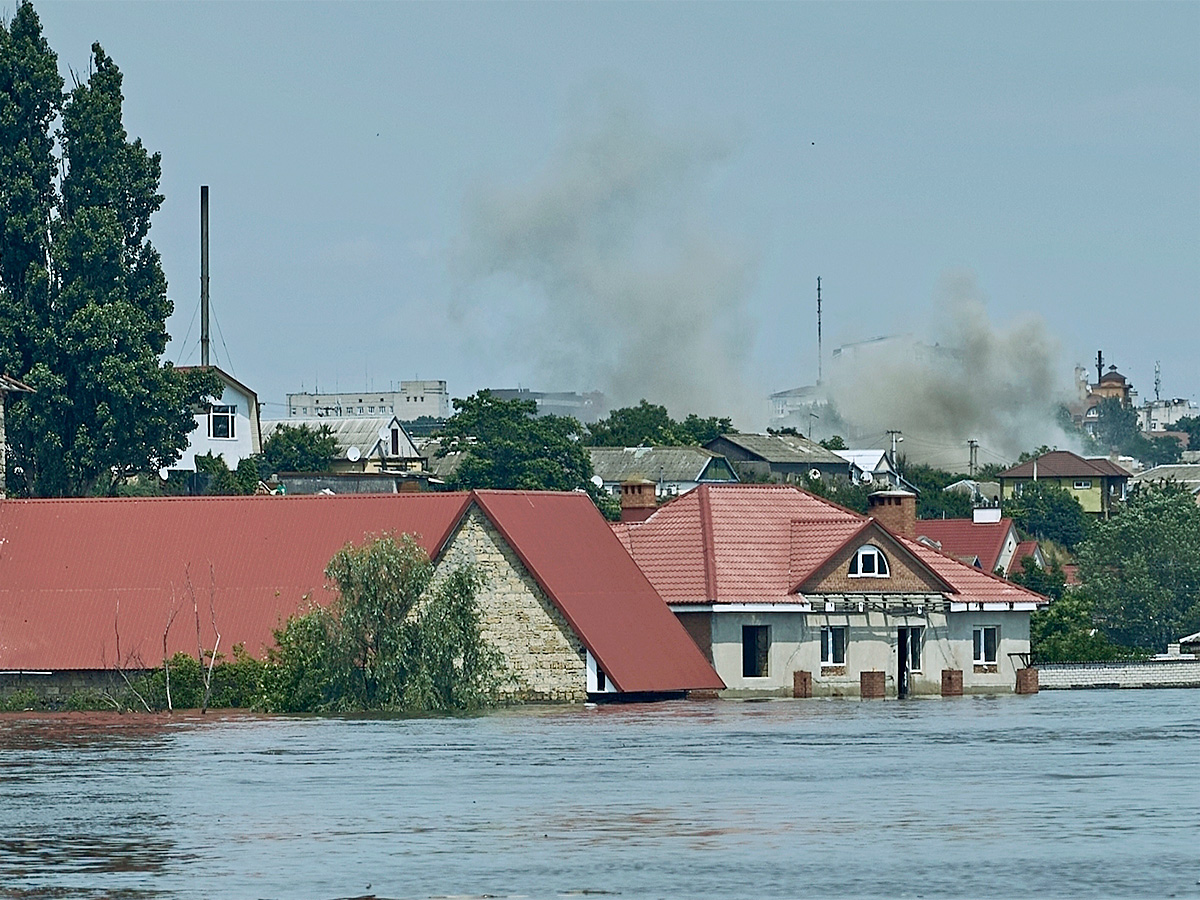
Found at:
[756, 642]
[833, 645]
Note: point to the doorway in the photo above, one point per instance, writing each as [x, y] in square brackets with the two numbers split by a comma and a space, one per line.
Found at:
[908, 656]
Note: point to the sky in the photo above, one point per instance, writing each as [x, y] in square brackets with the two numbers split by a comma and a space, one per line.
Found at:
[639, 198]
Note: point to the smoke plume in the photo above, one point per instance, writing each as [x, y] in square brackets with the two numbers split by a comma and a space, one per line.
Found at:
[1001, 386]
[604, 272]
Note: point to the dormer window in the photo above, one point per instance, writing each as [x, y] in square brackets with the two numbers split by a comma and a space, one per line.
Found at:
[869, 562]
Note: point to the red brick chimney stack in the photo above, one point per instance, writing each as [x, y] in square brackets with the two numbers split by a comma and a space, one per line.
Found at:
[894, 510]
[638, 502]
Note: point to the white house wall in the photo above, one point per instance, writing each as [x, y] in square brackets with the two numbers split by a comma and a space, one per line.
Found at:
[234, 449]
[871, 645]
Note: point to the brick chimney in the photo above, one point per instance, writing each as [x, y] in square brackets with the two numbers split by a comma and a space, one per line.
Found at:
[894, 510]
[638, 502]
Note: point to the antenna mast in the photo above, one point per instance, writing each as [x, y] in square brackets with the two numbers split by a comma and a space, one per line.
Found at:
[819, 354]
[204, 274]
[1157, 380]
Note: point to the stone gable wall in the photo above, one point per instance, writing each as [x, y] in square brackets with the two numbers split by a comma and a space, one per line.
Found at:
[546, 660]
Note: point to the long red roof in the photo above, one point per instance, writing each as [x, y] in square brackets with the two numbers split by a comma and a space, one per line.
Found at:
[748, 543]
[75, 574]
[965, 537]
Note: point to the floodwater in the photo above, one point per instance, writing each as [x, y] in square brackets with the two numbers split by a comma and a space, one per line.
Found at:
[1062, 794]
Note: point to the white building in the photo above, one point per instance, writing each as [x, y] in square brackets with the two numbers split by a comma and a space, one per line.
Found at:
[414, 400]
[1159, 415]
[227, 426]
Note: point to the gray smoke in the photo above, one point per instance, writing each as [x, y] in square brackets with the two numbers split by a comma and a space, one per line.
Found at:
[1001, 386]
[604, 271]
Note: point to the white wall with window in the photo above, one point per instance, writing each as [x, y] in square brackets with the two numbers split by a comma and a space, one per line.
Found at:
[226, 427]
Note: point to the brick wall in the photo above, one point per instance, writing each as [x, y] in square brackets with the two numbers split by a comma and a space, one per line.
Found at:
[1143, 674]
[544, 657]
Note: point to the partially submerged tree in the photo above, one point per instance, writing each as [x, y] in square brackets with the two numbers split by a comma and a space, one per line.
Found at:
[83, 299]
[393, 639]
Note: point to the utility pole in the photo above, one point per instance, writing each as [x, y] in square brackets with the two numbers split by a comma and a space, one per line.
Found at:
[204, 274]
[895, 435]
[974, 445]
[819, 353]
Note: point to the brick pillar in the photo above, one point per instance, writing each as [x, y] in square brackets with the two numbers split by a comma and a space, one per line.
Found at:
[872, 685]
[952, 682]
[1027, 680]
[802, 684]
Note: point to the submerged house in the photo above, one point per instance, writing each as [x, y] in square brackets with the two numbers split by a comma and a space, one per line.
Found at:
[87, 587]
[789, 594]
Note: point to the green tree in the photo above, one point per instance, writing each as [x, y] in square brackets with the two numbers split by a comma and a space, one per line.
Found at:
[1066, 632]
[1116, 426]
[1047, 512]
[83, 299]
[222, 480]
[1190, 425]
[934, 501]
[834, 442]
[1051, 582]
[1142, 569]
[509, 447]
[840, 491]
[649, 425]
[393, 639]
[298, 448]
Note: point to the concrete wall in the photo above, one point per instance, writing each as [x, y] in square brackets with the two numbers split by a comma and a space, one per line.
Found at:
[546, 660]
[1178, 672]
[871, 645]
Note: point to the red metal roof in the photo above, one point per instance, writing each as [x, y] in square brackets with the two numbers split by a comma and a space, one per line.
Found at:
[570, 550]
[1065, 464]
[964, 537]
[74, 573]
[749, 543]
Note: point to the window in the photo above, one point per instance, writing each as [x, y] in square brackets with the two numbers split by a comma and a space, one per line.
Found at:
[833, 645]
[987, 639]
[220, 421]
[395, 442]
[756, 641]
[869, 562]
[1083, 485]
[910, 645]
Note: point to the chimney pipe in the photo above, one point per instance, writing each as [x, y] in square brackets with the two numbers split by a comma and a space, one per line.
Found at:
[204, 274]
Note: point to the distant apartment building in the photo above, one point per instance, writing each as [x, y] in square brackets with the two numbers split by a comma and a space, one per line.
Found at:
[414, 400]
[587, 407]
[1157, 416]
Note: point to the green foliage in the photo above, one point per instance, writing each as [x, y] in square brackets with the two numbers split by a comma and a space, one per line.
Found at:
[236, 684]
[842, 492]
[1190, 425]
[222, 481]
[1066, 632]
[298, 448]
[393, 640]
[1116, 429]
[83, 299]
[934, 502]
[1142, 569]
[19, 699]
[1051, 582]
[649, 425]
[1048, 512]
[834, 442]
[508, 447]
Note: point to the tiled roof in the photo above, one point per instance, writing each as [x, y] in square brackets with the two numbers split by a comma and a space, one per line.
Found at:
[1024, 549]
[754, 543]
[964, 537]
[1065, 464]
[74, 573]
[783, 448]
[655, 463]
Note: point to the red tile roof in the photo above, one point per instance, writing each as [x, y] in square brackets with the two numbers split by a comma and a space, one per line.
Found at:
[1024, 549]
[964, 537]
[75, 572]
[754, 543]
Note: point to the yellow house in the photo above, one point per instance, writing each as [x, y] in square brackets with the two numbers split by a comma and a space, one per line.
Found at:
[1095, 483]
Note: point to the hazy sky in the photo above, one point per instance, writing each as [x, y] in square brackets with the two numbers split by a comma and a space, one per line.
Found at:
[540, 194]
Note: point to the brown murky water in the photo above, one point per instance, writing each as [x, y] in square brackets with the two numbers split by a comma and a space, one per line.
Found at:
[1078, 794]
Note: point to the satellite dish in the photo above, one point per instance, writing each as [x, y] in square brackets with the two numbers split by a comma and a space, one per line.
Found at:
[866, 478]
[384, 434]
[353, 454]
[814, 474]
[598, 481]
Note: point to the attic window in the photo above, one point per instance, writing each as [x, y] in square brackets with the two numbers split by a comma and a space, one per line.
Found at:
[395, 442]
[869, 562]
[221, 420]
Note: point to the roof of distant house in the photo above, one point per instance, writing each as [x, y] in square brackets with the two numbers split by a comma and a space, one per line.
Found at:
[130, 561]
[1025, 550]
[782, 448]
[1186, 476]
[360, 432]
[965, 537]
[659, 464]
[1065, 464]
[751, 543]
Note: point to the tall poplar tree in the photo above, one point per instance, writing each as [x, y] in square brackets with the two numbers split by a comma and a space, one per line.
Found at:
[84, 299]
